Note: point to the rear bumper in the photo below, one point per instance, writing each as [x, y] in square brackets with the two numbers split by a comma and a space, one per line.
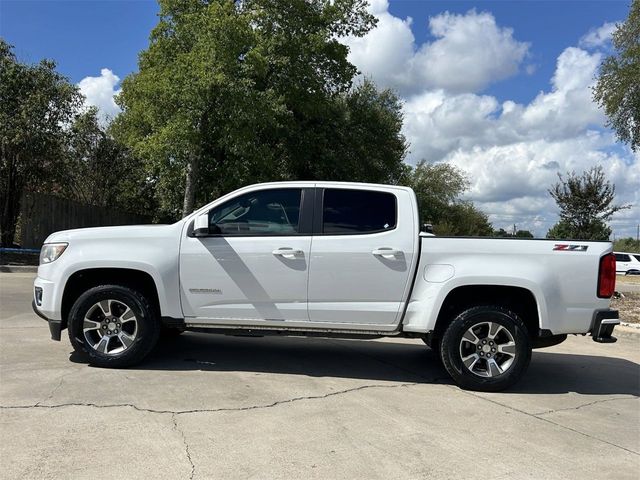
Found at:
[604, 321]
[55, 326]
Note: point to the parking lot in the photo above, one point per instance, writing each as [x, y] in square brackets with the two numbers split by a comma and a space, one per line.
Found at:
[206, 406]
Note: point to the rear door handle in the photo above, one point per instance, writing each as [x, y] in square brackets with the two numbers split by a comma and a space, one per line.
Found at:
[287, 252]
[386, 252]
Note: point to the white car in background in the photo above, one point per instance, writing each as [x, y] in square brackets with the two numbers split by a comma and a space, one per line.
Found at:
[627, 263]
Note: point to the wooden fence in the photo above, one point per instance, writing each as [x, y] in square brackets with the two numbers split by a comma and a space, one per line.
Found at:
[41, 215]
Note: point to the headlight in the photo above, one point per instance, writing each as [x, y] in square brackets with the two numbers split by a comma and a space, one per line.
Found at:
[51, 252]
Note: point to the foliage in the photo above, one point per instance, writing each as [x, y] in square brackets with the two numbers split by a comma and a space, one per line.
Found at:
[617, 90]
[594, 230]
[524, 234]
[519, 233]
[36, 105]
[438, 188]
[101, 171]
[230, 93]
[628, 244]
[586, 204]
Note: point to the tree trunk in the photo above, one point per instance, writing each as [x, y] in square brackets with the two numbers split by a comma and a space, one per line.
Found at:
[10, 200]
[9, 218]
[190, 185]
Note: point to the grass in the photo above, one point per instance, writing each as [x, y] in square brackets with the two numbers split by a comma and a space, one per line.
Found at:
[629, 307]
[628, 279]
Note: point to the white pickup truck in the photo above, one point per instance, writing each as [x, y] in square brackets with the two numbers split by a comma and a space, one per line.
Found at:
[328, 259]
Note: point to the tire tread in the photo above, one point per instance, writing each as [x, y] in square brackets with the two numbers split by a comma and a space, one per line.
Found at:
[450, 344]
[134, 354]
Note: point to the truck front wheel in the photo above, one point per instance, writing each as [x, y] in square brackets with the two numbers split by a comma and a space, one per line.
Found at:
[486, 348]
[114, 325]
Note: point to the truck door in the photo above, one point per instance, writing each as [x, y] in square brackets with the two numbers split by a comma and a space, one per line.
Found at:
[254, 263]
[362, 255]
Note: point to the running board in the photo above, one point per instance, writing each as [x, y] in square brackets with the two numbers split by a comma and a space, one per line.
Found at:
[249, 330]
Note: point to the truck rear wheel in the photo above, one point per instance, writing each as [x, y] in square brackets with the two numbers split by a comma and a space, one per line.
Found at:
[486, 348]
[114, 325]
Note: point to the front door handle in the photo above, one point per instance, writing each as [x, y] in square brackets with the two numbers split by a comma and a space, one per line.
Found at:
[386, 252]
[287, 252]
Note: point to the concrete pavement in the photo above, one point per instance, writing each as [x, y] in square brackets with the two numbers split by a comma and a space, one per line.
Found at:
[207, 406]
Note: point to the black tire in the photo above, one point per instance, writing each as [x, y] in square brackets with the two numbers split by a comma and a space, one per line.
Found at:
[452, 346]
[147, 326]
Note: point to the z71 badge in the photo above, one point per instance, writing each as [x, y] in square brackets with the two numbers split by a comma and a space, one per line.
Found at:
[570, 248]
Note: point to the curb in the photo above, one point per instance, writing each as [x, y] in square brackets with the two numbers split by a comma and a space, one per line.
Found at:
[18, 268]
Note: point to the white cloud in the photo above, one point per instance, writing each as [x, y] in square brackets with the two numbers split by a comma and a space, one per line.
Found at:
[511, 152]
[468, 52]
[99, 92]
[437, 122]
[598, 37]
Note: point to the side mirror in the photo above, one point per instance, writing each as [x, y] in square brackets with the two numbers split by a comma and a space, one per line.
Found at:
[201, 225]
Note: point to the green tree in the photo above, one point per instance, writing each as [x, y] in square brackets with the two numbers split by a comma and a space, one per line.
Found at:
[438, 189]
[628, 244]
[524, 234]
[617, 90]
[100, 171]
[519, 233]
[360, 141]
[229, 93]
[586, 204]
[464, 219]
[36, 105]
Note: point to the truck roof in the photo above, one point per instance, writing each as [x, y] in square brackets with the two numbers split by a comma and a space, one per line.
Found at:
[329, 183]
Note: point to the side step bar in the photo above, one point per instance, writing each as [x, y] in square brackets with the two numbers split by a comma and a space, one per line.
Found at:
[250, 330]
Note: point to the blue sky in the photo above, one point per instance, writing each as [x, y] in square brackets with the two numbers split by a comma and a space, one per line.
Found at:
[85, 36]
[548, 25]
[523, 114]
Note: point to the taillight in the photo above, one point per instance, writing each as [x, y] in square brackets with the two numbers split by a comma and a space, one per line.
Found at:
[607, 276]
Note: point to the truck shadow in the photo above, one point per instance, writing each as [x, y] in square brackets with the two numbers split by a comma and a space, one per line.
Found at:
[549, 372]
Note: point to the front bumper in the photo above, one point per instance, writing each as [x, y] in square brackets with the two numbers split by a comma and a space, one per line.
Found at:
[55, 326]
[604, 321]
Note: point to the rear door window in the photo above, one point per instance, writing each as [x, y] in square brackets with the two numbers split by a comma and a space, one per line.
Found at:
[621, 257]
[357, 212]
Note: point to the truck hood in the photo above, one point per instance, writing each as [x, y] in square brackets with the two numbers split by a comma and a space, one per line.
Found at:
[102, 233]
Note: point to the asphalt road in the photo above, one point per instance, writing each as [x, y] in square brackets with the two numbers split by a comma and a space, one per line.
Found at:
[233, 407]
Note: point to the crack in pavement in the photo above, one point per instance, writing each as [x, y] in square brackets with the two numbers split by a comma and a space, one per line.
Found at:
[207, 410]
[537, 417]
[547, 412]
[186, 445]
[56, 388]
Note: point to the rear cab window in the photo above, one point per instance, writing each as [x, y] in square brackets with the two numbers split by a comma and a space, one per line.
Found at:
[358, 212]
